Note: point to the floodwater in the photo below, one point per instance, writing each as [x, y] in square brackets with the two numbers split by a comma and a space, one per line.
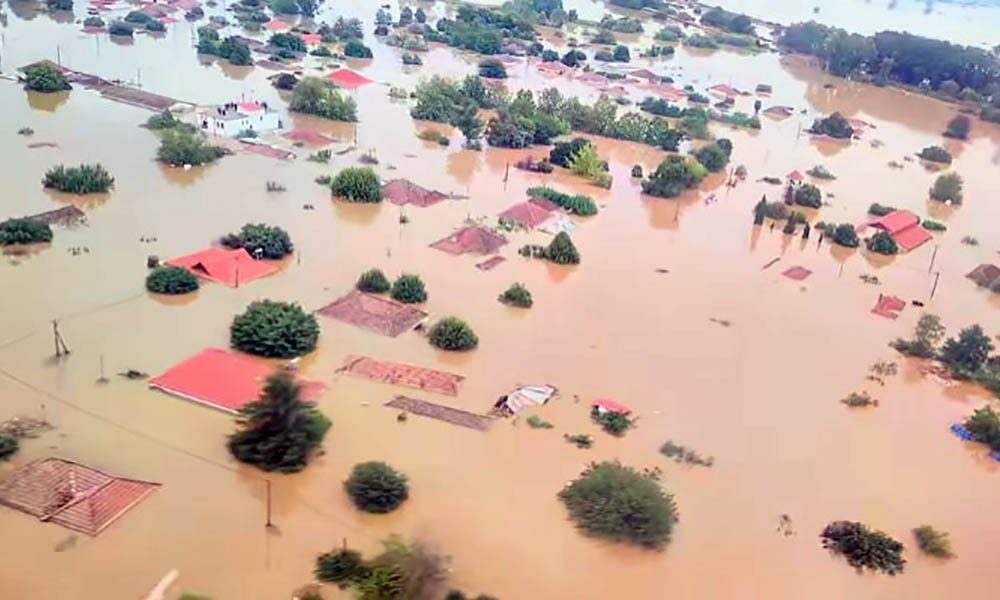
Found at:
[760, 395]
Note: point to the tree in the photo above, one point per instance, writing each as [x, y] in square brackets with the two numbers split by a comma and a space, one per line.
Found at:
[279, 431]
[357, 49]
[171, 280]
[452, 334]
[469, 124]
[270, 241]
[83, 179]
[933, 542]
[235, 51]
[59, 4]
[44, 78]
[863, 547]
[562, 251]
[947, 188]
[882, 243]
[178, 147]
[587, 163]
[808, 195]
[926, 337]
[376, 487]
[120, 29]
[674, 175]
[506, 131]
[285, 7]
[342, 567]
[357, 184]
[373, 281]
[316, 96]
[573, 58]
[958, 127]
[409, 289]
[420, 15]
[616, 502]
[8, 446]
[835, 126]
[845, 235]
[622, 54]
[935, 154]
[517, 295]
[492, 68]
[713, 156]
[967, 354]
[24, 231]
[405, 16]
[274, 330]
[984, 425]
[562, 152]
[289, 41]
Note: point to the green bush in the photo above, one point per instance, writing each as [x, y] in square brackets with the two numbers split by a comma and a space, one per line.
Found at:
[120, 28]
[674, 175]
[357, 184]
[984, 425]
[166, 120]
[452, 334]
[880, 210]
[285, 7]
[935, 154]
[863, 547]
[342, 567]
[24, 231]
[59, 4]
[357, 49]
[821, 172]
[967, 353]
[621, 54]
[289, 41]
[178, 147]
[835, 126]
[583, 206]
[84, 179]
[561, 250]
[376, 487]
[928, 334]
[845, 235]
[612, 422]
[697, 40]
[536, 422]
[712, 157]
[274, 329]
[616, 502]
[93, 22]
[316, 96]
[947, 187]
[958, 127]
[882, 243]
[272, 241]
[492, 68]
[562, 152]
[279, 431]
[171, 280]
[373, 281]
[409, 289]
[44, 78]
[933, 542]
[930, 225]
[517, 295]
[322, 52]
[8, 446]
[809, 196]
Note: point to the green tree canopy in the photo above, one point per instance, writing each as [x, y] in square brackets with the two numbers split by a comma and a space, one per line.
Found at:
[273, 242]
[317, 96]
[171, 280]
[357, 184]
[452, 334]
[947, 188]
[24, 231]
[409, 289]
[44, 78]
[274, 329]
[969, 352]
[376, 487]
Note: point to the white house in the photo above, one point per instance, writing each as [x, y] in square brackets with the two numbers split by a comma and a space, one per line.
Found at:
[231, 119]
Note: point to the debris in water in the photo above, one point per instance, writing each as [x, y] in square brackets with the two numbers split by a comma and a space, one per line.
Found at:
[133, 374]
[581, 440]
[723, 322]
[66, 544]
[24, 427]
[785, 525]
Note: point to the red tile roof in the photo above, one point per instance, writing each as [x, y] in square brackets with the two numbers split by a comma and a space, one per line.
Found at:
[472, 238]
[795, 176]
[394, 373]
[375, 313]
[797, 273]
[529, 214]
[228, 267]
[222, 379]
[404, 191]
[896, 221]
[911, 237]
[276, 25]
[611, 406]
[347, 78]
[889, 306]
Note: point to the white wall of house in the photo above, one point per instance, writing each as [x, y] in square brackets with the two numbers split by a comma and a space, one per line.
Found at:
[260, 121]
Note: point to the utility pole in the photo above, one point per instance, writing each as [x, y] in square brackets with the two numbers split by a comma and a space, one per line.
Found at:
[61, 348]
[933, 256]
[269, 524]
[934, 289]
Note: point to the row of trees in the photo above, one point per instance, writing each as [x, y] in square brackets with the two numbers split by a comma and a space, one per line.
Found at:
[231, 48]
[320, 97]
[967, 356]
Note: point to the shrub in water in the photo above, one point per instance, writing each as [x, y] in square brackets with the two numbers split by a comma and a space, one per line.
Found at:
[619, 503]
[373, 282]
[846, 236]
[809, 196]
[274, 329]
[84, 179]
[882, 243]
[171, 280]
[180, 148]
[316, 96]
[863, 547]
[24, 231]
[272, 242]
[44, 78]
[933, 542]
[356, 49]
[341, 567]
[409, 289]
[517, 295]
[357, 184]
[562, 251]
[492, 68]
[935, 154]
[947, 188]
[452, 334]
[376, 487]
[8, 446]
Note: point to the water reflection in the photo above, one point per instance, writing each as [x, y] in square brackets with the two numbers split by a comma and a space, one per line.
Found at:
[47, 102]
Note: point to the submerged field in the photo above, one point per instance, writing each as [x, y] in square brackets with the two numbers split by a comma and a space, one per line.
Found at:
[669, 313]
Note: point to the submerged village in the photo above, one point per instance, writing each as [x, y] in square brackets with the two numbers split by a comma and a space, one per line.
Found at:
[437, 300]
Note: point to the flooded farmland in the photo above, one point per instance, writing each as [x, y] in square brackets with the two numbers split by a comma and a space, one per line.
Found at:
[669, 312]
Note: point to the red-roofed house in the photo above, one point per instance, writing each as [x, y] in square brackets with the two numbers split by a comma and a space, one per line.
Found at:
[529, 214]
[904, 227]
[348, 79]
[276, 25]
[795, 176]
[228, 267]
[606, 405]
[725, 90]
[312, 39]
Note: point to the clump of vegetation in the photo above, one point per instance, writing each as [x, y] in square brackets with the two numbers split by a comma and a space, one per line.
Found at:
[835, 126]
[845, 235]
[409, 289]
[580, 205]
[856, 400]
[121, 29]
[883, 243]
[809, 196]
[580, 440]
[729, 21]
[984, 425]
[714, 156]
[958, 127]
[8, 446]
[84, 179]
[970, 241]
[536, 422]
[44, 78]
[697, 40]
[284, 81]
[452, 334]
[376, 487]
[166, 120]
[587, 163]
[373, 281]
[926, 337]
[930, 225]
[400, 571]
[684, 454]
[621, 24]
[171, 280]
[317, 96]
[933, 542]
[673, 176]
[412, 59]
[342, 567]
[261, 241]
[178, 147]
[433, 135]
[947, 188]
[669, 33]
[968, 353]
[289, 41]
[516, 295]
[935, 154]
[821, 172]
[357, 184]
[616, 502]
[279, 431]
[612, 422]
[357, 49]
[492, 68]
[563, 152]
[880, 210]
[776, 211]
[562, 251]
[24, 231]
[232, 48]
[321, 156]
[863, 547]
[322, 52]
[274, 329]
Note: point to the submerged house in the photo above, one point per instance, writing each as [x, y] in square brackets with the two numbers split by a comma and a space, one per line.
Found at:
[233, 118]
[904, 227]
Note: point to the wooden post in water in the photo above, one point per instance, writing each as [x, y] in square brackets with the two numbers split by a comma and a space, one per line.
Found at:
[269, 523]
[933, 256]
[61, 347]
[934, 289]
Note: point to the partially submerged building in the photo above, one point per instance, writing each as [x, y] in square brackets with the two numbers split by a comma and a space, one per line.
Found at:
[233, 118]
[903, 226]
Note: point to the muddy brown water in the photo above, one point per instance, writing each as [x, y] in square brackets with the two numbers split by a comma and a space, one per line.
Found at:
[761, 395]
